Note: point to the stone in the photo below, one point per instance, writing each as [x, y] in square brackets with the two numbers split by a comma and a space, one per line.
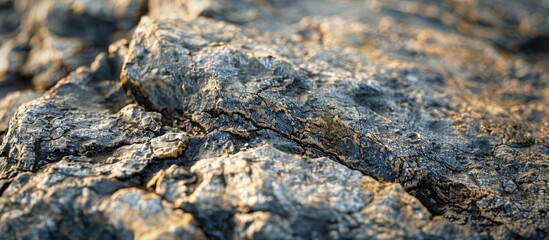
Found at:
[353, 114]
[63, 125]
[50, 38]
[8, 106]
[147, 216]
[279, 119]
[267, 193]
[69, 138]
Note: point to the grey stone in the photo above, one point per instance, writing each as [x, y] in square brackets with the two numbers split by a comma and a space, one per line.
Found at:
[8, 106]
[45, 131]
[271, 194]
[279, 119]
[383, 121]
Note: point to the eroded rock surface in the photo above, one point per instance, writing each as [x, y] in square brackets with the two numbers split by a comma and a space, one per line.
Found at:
[9, 105]
[263, 192]
[370, 118]
[229, 119]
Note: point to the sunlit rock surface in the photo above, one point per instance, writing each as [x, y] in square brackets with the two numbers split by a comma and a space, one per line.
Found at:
[274, 119]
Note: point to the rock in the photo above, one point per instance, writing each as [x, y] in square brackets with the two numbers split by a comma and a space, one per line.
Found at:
[266, 193]
[147, 216]
[53, 38]
[8, 106]
[274, 119]
[219, 77]
[515, 27]
[68, 138]
[236, 11]
[73, 199]
[9, 19]
[45, 131]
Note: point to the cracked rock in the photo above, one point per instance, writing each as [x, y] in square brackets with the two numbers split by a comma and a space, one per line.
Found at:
[274, 119]
[341, 105]
[265, 193]
[8, 106]
[60, 124]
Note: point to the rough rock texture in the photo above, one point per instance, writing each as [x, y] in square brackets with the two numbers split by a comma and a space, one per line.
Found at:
[370, 118]
[264, 192]
[274, 119]
[9, 105]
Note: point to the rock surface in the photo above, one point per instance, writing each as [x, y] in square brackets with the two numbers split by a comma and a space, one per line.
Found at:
[274, 119]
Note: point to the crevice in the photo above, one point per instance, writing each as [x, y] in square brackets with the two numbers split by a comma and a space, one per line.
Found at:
[6, 185]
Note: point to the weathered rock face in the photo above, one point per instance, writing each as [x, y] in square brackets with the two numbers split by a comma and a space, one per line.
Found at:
[9, 105]
[264, 119]
[366, 117]
[263, 192]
